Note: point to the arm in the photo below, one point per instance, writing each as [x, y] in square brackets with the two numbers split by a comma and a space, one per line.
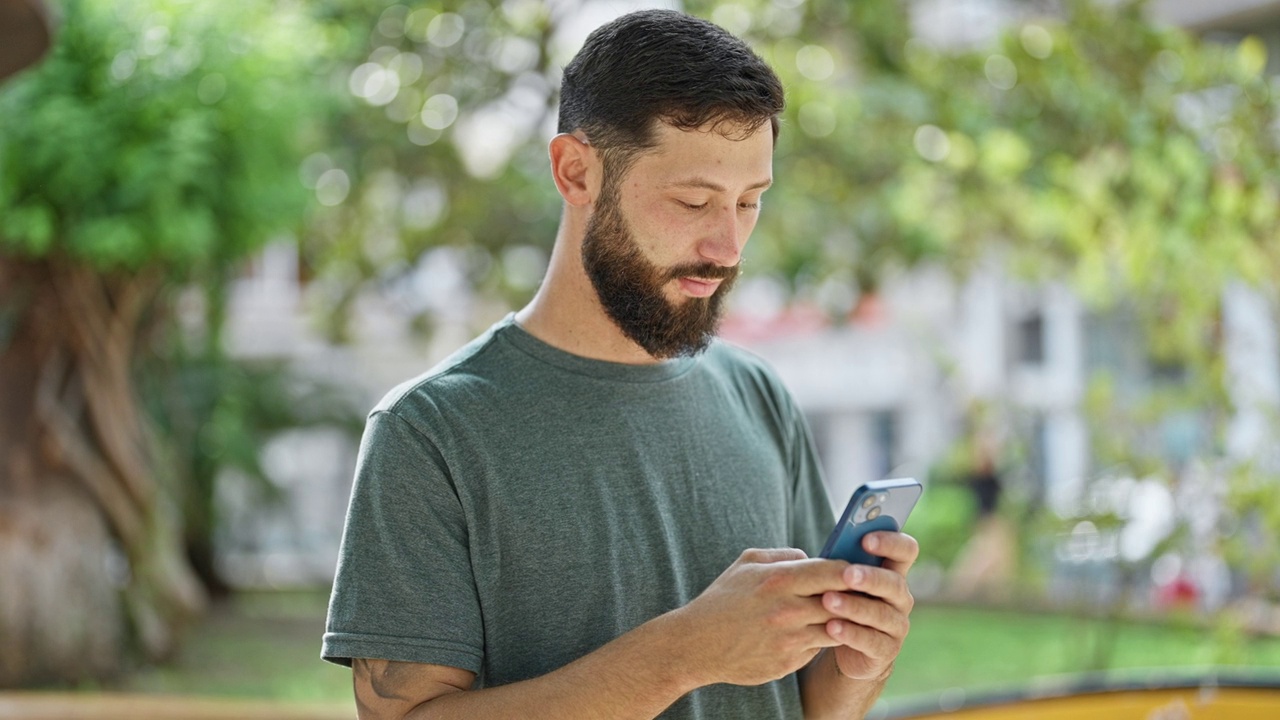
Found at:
[630, 677]
[845, 681]
[762, 619]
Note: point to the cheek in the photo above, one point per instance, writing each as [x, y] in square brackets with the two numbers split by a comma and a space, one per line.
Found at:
[661, 229]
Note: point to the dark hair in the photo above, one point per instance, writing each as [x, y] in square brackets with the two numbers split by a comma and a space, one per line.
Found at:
[668, 66]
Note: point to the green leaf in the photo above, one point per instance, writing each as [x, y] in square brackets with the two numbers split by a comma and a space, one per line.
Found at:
[28, 229]
[1251, 54]
[1004, 155]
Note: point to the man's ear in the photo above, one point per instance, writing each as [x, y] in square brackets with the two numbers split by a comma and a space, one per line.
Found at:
[576, 167]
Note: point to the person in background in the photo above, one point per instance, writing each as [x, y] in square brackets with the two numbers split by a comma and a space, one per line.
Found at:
[596, 509]
[984, 568]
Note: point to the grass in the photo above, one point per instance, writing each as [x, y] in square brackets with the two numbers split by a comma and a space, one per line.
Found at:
[257, 645]
[979, 648]
[266, 646]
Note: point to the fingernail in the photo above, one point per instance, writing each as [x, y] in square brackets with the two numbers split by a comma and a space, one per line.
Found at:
[872, 542]
[836, 601]
[838, 629]
[858, 574]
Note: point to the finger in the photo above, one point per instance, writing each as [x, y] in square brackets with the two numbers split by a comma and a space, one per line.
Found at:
[801, 612]
[810, 576]
[808, 635]
[888, 585]
[816, 637]
[898, 549]
[771, 555]
[872, 643]
[867, 612]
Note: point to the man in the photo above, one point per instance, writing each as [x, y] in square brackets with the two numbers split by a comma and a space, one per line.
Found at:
[555, 522]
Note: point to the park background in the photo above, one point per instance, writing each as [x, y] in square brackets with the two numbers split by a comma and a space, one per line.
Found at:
[1012, 244]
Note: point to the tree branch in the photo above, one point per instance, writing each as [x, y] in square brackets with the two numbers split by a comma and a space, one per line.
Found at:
[67, 447]
[103, 339]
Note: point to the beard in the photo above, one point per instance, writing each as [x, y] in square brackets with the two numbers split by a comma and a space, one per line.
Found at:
[630, 287]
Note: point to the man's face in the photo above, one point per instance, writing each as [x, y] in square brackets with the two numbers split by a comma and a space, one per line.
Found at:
[664, 241]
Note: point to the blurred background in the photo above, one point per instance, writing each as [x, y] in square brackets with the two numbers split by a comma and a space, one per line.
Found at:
[1024, 251]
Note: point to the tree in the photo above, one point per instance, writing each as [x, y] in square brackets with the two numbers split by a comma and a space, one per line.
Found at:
[156, 146]
[440, 145]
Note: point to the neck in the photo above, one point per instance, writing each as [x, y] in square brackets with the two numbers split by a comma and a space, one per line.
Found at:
[566, 312]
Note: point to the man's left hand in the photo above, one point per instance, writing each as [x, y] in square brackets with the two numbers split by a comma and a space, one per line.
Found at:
[872, 626]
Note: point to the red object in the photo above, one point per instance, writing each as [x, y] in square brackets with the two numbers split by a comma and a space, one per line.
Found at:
[1179, 593]
[869, 311]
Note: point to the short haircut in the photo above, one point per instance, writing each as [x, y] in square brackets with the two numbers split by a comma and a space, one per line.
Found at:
[663, 65]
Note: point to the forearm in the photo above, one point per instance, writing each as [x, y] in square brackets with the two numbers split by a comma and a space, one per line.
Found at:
[826, 693]
[631, 677]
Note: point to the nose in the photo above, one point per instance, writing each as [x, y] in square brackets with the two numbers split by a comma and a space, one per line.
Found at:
[723, 246]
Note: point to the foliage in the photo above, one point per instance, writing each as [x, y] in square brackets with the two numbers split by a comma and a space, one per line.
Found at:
[942, 522]
[167, 134]
[158, 132]
[440, 144]
[157, 145]
[1095, 144]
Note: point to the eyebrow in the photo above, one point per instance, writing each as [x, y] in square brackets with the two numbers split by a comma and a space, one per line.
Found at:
[698, 182]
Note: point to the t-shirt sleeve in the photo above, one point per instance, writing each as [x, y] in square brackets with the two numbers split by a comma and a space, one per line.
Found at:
[811, 515]
[404, 588]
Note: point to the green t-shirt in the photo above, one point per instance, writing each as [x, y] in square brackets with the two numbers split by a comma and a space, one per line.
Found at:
[518, 507]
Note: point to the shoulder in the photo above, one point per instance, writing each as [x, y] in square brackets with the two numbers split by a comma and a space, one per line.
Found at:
[741, 364]
[752, 376]
[452, 381]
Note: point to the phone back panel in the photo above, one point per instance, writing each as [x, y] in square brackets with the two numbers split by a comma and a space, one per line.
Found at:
[896, 498]
[847, 545]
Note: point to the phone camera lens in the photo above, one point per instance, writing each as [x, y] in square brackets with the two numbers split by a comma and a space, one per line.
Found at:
[871, 499]
[873, 513]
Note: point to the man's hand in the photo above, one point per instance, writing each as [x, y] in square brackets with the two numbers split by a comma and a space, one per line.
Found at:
[762, 619]
[870, 628]
[769, 614]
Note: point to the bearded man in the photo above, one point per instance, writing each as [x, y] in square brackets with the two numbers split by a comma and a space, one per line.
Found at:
[597, 509]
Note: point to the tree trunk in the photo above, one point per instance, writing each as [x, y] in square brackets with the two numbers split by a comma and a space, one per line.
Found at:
[90, 550]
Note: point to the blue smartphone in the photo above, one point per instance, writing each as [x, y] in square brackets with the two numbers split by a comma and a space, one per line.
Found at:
[876, 506]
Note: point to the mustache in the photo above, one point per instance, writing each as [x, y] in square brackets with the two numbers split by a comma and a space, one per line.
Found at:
[709, 271]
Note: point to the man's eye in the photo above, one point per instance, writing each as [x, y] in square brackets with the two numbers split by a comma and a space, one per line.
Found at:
[691, 206]
[749, 205]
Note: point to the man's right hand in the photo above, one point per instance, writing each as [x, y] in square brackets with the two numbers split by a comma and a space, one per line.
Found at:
[761, 620]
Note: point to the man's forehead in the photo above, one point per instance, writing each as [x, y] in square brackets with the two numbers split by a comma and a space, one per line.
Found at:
[709, 159]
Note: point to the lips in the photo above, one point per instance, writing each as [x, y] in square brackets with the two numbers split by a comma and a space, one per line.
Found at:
[698, 287]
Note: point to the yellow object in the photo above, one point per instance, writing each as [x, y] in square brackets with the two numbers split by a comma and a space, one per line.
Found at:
[1196, 703]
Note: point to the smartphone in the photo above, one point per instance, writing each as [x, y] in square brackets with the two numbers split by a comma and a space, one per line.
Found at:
[876, 506]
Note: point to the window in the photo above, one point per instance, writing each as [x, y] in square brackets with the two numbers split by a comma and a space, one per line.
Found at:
[884, 441]
[1030, 339]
